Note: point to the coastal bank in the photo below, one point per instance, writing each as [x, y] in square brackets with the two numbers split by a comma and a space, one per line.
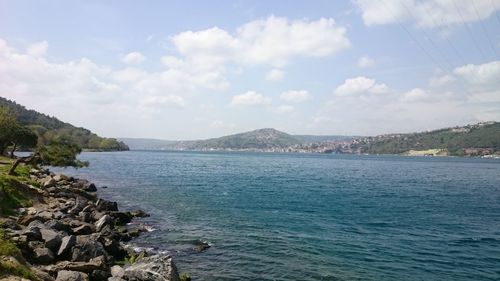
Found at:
[54, 227]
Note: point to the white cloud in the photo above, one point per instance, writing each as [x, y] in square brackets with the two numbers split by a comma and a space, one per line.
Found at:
[295, 96]
[124, 97]
[360, 86]
[482, 74]
[169, 100]
[442, 80]
[415, 95]
[427, 13]
[275, 75]
[250, 98]
[133, 58]
[129, 75]
[284, 109]
[38, 49]
[273, 41]
[364, 62]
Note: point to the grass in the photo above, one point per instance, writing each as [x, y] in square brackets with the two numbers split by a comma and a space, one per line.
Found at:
[9, 266]
[185, 277]
[12, 196]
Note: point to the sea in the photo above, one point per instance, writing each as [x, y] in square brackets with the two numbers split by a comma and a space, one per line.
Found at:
[280, 216]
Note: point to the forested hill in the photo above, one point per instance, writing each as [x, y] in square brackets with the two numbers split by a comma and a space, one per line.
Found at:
[262, 139]
[50, 128]
[477, 139]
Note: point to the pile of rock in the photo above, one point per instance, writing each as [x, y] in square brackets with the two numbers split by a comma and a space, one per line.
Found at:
[70, 234]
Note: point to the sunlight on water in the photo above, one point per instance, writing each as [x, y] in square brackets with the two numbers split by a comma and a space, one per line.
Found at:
[312, 217]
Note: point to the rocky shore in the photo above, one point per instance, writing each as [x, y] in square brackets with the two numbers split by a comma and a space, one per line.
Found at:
[69, 234]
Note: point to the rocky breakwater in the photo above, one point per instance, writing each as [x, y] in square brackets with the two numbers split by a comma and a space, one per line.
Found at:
[69, 234]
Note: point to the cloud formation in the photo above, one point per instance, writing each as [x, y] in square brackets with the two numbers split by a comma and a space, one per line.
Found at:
[365, 62]
[133, 58]
[272, 41]
[427, 13]
[275, 75]
[295, 96]
[250, 98]
[360, 86]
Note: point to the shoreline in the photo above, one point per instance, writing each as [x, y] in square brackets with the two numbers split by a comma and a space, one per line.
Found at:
[69, 233]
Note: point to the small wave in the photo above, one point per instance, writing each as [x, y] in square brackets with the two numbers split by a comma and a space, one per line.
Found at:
[473, 240]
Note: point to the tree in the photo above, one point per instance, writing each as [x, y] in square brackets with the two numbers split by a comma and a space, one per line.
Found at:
[7, 126]
[58, 153]
[22, 137]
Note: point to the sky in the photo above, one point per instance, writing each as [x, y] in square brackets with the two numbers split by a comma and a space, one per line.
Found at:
[200, 69]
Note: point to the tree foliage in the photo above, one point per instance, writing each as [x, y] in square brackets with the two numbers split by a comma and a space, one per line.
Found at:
[454, 140]
[50, 129]
[60, 154]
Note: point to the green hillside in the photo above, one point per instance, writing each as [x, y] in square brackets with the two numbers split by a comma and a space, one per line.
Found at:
[50, 128]
[258, 139]
[482, 138]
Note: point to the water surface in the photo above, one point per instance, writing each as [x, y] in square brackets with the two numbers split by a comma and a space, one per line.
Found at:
[312, 217]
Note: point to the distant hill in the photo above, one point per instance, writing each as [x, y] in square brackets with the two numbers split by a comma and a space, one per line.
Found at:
[316, 139]
[262, 139]
[148, 144]
[259, 139]
[49, 128]
[478, 139]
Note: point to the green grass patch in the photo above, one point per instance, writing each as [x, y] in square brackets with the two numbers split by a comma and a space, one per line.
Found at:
[7, 248]
[12, 266]
[11, 197]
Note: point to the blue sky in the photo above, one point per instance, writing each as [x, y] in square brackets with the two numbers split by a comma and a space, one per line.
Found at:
[198, 69]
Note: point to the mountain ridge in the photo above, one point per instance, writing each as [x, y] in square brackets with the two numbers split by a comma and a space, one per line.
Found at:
[471, 140]
[49, 128]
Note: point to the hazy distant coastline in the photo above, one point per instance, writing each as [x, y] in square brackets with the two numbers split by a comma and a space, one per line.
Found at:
[482, 139]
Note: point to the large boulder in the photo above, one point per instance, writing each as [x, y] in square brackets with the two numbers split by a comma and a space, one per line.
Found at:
[102, 222]
[98, 263]
[85, 228]
[99, 275]
[86, 248]
[103, 205]
[121, 217]
[66, 244]
[43, 255]
[51, 238]
[67, 275]
[33, 233]
[154, 268]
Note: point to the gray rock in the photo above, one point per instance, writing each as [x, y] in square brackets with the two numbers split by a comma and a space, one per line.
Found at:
[102, 222]
[159, 267]
[33, 233]
[117, 271]
[66, 244]
[48, 182]
[60, 177]
[45, 215]
[103, 205]
[52, 238]
[86, 248]
[84, 229]
[43, 255]
[99, 275]
[85, 216]
[90, 187]
[114, 248]
[66, 275]
[98, 263]
[80, 204]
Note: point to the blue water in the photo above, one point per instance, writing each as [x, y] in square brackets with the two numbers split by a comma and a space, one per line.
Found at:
[312, 217]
